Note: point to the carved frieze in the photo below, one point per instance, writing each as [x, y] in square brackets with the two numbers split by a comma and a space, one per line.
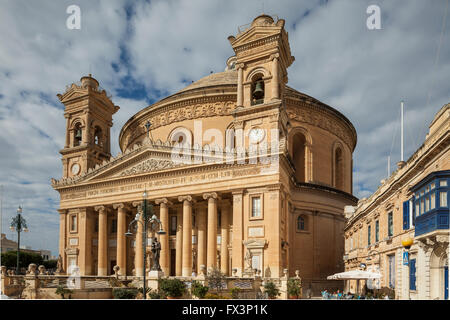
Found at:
[183, 112]
[149, 166]
[322, 121]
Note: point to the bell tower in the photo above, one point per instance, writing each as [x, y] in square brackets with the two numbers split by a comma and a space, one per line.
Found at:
[88, 112]
[262, 58]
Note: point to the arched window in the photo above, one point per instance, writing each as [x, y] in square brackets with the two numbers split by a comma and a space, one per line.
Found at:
[180, 136]
[299, 156]
[338, 169]
[301, 223]
[257, 90]
[78, 135]
[98, 136]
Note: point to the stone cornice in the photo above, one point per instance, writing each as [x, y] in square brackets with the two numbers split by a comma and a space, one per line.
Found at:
[401, 177]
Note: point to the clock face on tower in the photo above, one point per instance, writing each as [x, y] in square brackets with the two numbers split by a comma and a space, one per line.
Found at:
[75, 169]
[256, 135]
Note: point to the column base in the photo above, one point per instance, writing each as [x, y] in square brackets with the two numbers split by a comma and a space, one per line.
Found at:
[187, 273]
[155, 274]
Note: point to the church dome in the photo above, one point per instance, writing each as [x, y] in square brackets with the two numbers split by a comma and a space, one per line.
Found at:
[228, 77]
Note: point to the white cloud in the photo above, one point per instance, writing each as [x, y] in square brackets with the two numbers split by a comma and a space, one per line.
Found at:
[364, 74]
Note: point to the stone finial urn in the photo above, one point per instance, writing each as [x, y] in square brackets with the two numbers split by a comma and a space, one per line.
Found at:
[32, 269]
[41, 270]
[234, 272]
[285, 273]
[116, 269]
[203, 269]
[297, 273]
[3, 270]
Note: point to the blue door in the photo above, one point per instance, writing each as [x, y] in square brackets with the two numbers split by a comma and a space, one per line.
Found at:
[446, 282]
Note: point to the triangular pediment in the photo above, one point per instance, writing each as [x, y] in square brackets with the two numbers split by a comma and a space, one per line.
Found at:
[254, 34]
[71, 93]
[145, 161]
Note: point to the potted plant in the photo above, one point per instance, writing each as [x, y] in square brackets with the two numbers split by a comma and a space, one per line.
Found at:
[124, 293]
[235, 293]
[63, 291]
[294, 288]
[172, 288]
[271, 290]
[198, 290]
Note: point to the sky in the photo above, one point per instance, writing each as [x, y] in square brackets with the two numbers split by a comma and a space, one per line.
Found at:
[142, 51]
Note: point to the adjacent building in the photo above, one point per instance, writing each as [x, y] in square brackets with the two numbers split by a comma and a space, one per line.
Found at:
[411, 203]
[245, 172]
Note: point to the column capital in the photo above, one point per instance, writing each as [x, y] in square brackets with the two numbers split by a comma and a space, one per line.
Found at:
[100, 208]
[274, 56]
[240, 66]
[136, 203]
[209, 195]
[118, 206]
[163, 201]
[186, 198]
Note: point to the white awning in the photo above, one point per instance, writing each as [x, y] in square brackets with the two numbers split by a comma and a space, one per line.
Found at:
[354, 275]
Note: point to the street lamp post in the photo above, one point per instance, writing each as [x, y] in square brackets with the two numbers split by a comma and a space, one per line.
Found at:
[18, 224]
[407, 243]
[148, 220]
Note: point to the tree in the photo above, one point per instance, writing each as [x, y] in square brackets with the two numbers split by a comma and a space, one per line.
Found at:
[9, 259]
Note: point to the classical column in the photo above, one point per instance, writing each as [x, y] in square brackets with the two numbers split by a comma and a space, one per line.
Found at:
[238, 250]
[225, 235]
[102, 241]
[240, 95]
[201, 237]
[138, 252]
[67, 144]
[62, 236]
[179, 243]
[121, 241]
[187, 235]
[211, 257]
[85, 133]
[164, 238]
[275, 84]
[84, 242]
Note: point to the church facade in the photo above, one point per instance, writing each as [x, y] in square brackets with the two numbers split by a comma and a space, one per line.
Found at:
[245, 173]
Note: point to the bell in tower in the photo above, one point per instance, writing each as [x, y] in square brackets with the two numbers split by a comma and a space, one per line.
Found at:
[258, 92]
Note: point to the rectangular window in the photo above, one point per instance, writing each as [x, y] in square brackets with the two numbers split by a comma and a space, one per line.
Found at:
[432, 186]
[351, 243]
[391, 271]
[114, 226]
[406, 215]
[443, 183]
[432, 200]
[377, 231]
[417, 208]
[422, 206]
[368, 236]
[427, 204]
[256, 206]
[390, 224]
[427, 189]
[443, 199]
[173, 225]
[73, 223]
[412, 274]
